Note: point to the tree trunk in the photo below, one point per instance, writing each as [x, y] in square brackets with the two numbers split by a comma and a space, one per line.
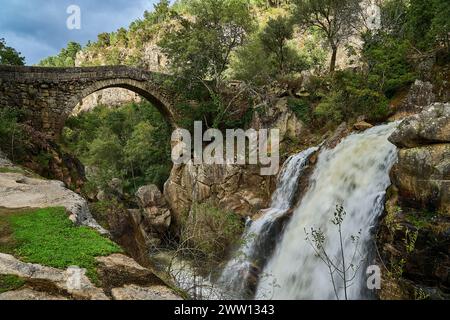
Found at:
[333, 59]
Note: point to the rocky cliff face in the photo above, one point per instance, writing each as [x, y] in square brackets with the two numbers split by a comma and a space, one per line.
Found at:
[241, 189]
[414, 238]
[422, 173]
[235, 188]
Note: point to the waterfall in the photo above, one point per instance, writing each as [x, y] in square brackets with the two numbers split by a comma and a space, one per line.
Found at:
[356, 175]
[258, 236]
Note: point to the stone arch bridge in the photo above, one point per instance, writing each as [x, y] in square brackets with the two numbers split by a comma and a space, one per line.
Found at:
[51, 94]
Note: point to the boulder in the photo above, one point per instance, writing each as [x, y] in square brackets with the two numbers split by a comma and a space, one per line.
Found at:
[72, 281]
[423, 168]
[150, 196]
[236, 188]
[154, 206]
[429, 127]
[420, 95]
[422, 177]
[279, 116]
[20, 191]
[133, 292]
[118, 270]
[362, 126]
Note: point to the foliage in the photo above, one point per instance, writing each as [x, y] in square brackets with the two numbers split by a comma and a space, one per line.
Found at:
[274, 39]
[386, 60]
[351, 97]
[10, 283]
[200, 48]
[48, 237]
[210, 232]
[66, 58]
[427, 23]
[301, 108]
[252, 64]
[261, 61]
[9, 55]
[335, 19]
[13, 140]
[131, 143]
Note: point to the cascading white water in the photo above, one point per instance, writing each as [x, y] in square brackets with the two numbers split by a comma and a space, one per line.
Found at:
[356, 175]
[237, 270]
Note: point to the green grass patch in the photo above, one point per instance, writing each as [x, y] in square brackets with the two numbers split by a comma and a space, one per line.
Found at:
[11, 170]
[48, 237]
[10, 283]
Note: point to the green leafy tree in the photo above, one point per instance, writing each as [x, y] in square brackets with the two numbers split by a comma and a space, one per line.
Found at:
[161, 11]
[252, 64]
[200, 47]
[9, 56]
[440, 25]
[66, 57]
[103, 39]
[336, 20]
[386, 59]
[274, 39]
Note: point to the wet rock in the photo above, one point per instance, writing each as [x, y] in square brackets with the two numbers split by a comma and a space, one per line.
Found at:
[339, 134]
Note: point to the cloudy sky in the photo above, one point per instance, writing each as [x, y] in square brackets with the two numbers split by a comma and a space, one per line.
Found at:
[38, 29]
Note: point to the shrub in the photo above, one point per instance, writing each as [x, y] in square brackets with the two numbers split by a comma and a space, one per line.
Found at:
[210, 232]
[301, 109]
[351, 97]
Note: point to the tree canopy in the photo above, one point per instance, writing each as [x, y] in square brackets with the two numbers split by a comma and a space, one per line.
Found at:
[9, 55]
[200, 48]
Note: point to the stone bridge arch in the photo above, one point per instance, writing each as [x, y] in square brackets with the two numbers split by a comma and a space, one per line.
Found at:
[49, 95]
[138, 87]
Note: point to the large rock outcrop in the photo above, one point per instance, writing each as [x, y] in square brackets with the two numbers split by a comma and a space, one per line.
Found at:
[72, 282]
[414, 237]
[19, 190]
[235, 188]
[154, 207]
[120, 277]
[422, 173]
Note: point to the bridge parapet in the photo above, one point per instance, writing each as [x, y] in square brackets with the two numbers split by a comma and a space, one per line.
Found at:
[51, 94]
